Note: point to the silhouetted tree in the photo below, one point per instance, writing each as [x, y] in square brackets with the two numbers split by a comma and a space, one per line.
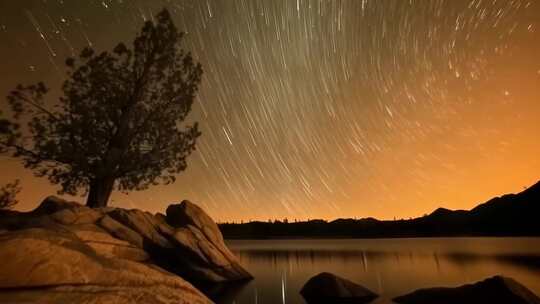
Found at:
[8, 194]
[119, 122]
[4, 126]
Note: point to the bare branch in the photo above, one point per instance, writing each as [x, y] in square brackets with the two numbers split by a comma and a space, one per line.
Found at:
[36, 105]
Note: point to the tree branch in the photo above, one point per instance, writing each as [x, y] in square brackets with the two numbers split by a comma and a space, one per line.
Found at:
[29, 153]
[37, 105]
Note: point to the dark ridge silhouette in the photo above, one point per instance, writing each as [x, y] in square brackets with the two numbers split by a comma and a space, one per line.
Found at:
[508, 215]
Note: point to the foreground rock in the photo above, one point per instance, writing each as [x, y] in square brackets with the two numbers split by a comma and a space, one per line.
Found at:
[186, 242]
[495, 290]
[52, 267]
[64, 251]
[198, 236]
[328, 288]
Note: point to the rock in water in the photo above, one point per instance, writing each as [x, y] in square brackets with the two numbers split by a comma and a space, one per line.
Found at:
[328, 288]
[495, 290]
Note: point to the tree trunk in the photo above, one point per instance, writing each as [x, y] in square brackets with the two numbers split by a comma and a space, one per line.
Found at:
[100, 191]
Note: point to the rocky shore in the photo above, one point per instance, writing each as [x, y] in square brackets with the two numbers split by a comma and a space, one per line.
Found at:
[64, 252]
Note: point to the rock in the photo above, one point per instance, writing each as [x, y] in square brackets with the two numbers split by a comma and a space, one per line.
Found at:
[53, 213]
[53, 267]
[108, 246]
[206, 261]
[198, 238]
[329, 288]
[186, 241]
[76, 216]
[89, 294]
[192, 247]
[495, 290]
[39, 217]
[120, 231]
[187, 213]
[143, 223]
[53, 204]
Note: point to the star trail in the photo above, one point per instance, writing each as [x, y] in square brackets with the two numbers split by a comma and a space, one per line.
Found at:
[320, 109]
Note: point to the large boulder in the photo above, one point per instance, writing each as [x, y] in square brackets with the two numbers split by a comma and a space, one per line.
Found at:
[144, 224]
[495, 290]
[53, 204]
[329, 288]
[108, 246]
[53, 213]
[119, 231]
[198, 237]
[52, 267]
[185, 242]
[186, 213]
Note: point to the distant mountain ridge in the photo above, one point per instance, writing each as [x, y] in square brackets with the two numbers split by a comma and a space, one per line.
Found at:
[507, 215]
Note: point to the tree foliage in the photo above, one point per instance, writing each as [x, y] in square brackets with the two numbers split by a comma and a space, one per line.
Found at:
[119, 122]
[8, 194]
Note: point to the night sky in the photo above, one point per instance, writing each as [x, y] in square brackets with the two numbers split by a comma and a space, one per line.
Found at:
[319, 109]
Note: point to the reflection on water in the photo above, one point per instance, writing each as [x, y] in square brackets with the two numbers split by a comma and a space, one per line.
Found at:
[389, 267]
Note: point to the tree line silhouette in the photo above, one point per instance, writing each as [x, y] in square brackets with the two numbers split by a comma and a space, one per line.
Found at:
[508, 215]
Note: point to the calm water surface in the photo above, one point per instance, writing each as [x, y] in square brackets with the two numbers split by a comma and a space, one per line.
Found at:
[390, 267]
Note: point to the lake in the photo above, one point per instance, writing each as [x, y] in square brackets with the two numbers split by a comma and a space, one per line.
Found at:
[390, 267]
